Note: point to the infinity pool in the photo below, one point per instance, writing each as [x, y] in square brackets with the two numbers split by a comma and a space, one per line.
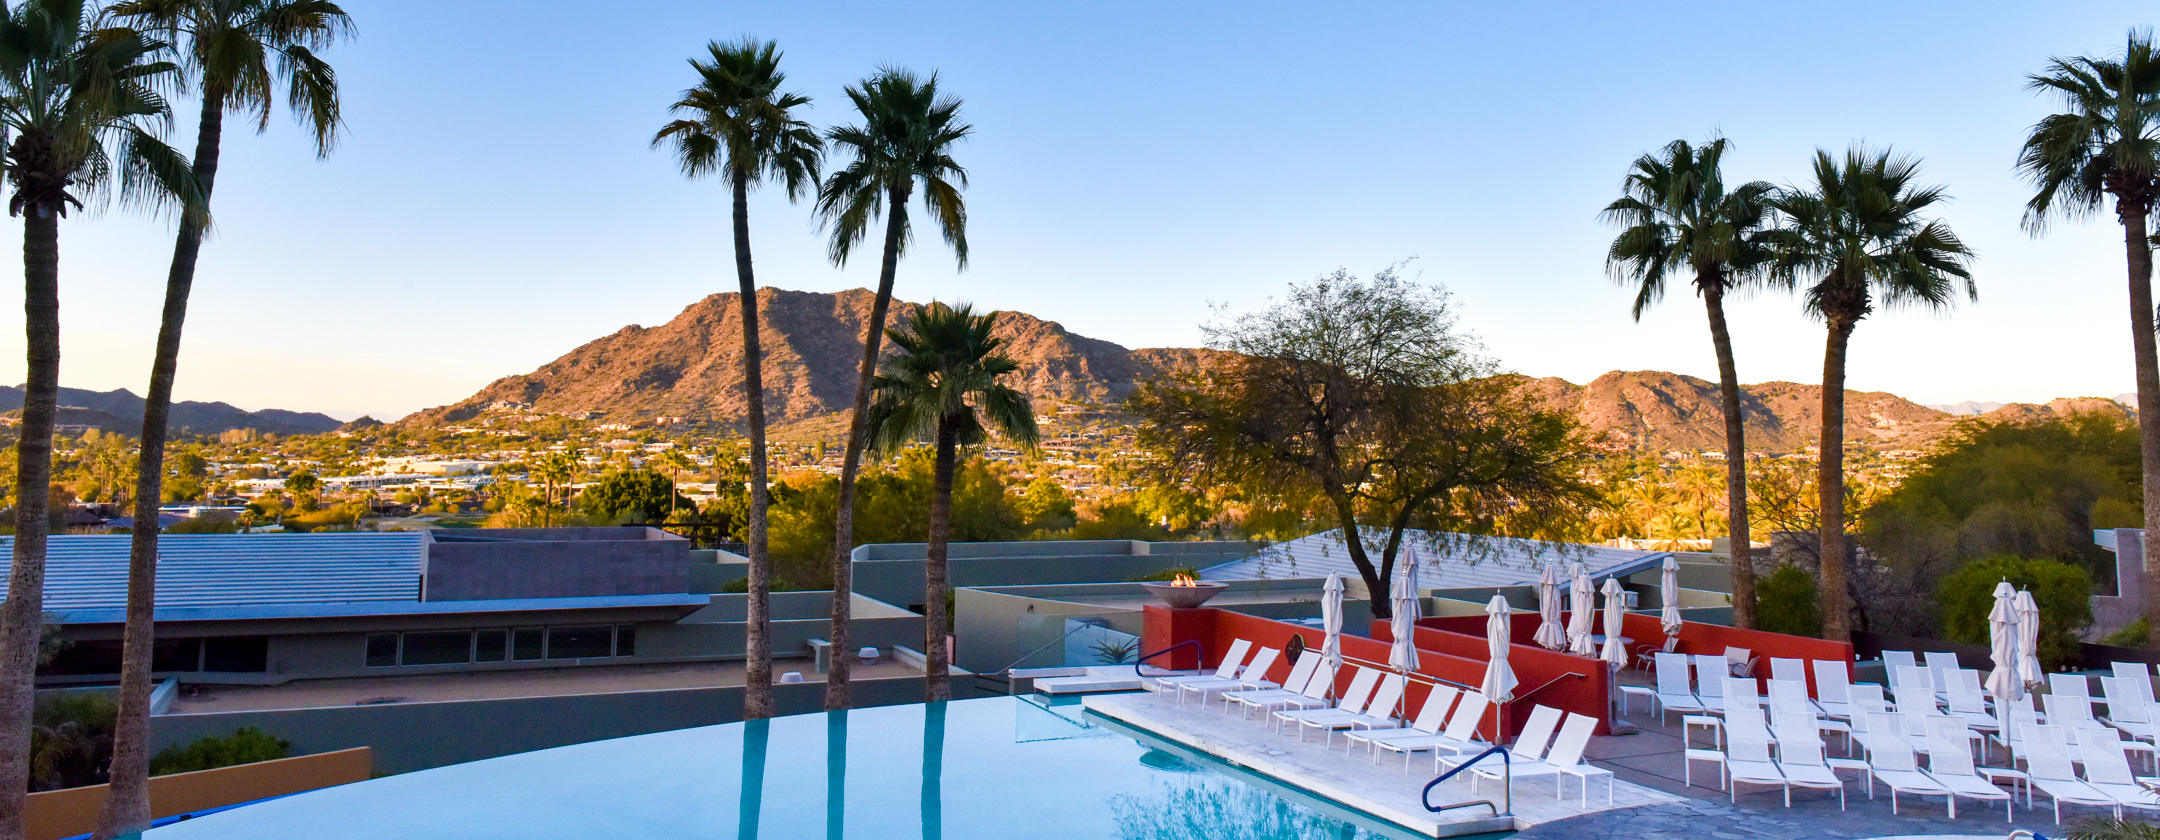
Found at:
[1001, 767]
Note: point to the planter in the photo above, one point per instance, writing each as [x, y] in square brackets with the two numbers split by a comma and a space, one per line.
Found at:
[1187, 596]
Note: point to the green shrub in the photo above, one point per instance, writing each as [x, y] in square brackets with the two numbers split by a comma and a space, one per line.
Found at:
[71, 736]
[1788, 601]
[736, 587]
[247, 746]
[204, 525]
[2136, 634]
[2062, 591]
[1167, 574]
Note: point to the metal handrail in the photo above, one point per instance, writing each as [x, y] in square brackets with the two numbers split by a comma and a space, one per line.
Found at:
[1046, 646]
[1507, 788]
[1413, 676]
[1548, 684]
[1194, 642]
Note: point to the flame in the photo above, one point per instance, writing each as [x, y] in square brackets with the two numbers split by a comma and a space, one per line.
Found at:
[1183, 580]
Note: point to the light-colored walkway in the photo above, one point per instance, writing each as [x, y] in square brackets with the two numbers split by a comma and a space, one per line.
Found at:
[1383, 790]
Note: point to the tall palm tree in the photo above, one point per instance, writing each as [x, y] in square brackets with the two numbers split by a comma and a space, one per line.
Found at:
[2106, 142]
[942, 384]
[237, 51]
[738, 122]
[1856, 237]
[82, 114]
[905, 139]
[1678, 216]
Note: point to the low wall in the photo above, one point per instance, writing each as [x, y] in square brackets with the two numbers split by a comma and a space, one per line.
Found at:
[51, 815]
[1570, 683]
[417, 736]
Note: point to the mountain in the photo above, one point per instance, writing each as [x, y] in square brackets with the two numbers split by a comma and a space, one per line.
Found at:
[121, 411]
[1967, 408]
[688, 369]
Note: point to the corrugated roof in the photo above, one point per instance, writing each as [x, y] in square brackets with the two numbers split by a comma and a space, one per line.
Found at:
[682, 604]
[1446, 561]
[89, 572]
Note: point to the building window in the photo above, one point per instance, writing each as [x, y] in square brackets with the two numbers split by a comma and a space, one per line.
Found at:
[528, 643]
[382, 650]
[580, 642]
[625, 640]
[438, 648]
[488, 645]
[236, 654]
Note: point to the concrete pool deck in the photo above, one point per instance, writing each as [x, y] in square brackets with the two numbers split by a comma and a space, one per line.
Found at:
[1382, 790]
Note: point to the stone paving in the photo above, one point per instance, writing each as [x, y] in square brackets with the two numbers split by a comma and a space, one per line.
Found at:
[1652, 758]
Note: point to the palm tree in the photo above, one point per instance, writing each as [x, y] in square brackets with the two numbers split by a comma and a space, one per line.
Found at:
[1855, 237]
[941, 385]
[81, 110]
[1678, 216]
[674, 461]
[741, 124]
[236, 49]
[2105, 828]
[906, 137]
[552, 470]
[2106, 142]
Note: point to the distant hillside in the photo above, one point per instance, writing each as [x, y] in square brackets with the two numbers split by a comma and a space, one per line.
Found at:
[688, 369]
[690, 366]
[121, 411]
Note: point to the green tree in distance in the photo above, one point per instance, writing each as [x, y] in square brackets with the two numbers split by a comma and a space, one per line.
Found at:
[905, 139]
[2106, 142]
[942, 384]
[82, 115]
[739, 123]
[1854, 237]
[1679, 217]
[236, 51]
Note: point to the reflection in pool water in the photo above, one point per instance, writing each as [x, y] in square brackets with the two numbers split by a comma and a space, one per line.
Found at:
[1004, 767]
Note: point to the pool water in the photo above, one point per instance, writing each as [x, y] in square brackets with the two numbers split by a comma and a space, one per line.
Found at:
[1005, 767]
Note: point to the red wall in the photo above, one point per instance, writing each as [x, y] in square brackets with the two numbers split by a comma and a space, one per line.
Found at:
[1534, 668]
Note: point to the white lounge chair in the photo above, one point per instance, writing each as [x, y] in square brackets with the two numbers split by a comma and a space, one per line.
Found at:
[1379, 712]
[1833, 689]
[2107, 770]
[1674, 694]
[1292, 689]
[2048, 767]
[1802, 764]
[1891, 761]
[1915, 688]
[1788, 669]
[1353, 699]
[2068, 694]
[1940, 664]
[1563, 759]
[1459, 737]
[1950, 764]
[1747, 761]
[1710, 676]
[1789, 697]
[2138, 676]
[1967, 701]
[2128, 710]
[1232, 660]
[1430, 717]
[1528, 746]
[1253, 677]
[1537, 734]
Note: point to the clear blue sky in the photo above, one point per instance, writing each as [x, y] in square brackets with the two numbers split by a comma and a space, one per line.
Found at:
[495, 204]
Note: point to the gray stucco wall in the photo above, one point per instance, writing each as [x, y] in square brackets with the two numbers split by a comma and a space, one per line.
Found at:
[417, 736]
[474, 571]
[893, 573]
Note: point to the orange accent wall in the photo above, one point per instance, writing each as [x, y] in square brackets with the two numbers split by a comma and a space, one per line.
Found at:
[54, 814]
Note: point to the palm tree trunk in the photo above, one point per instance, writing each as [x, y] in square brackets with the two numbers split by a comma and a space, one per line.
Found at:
[2139, 250]
[127, 805]
[936, 619]
[1740, 553]
[757, 637]
[22, 618]
[1830, 481]
[843, 558]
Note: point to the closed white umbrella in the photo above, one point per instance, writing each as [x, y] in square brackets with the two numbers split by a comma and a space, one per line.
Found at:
[1549, 634]
[1615, 611]
[1403, 655]
[1499, 683]
[1582, 604]
[1669, 592]
[2029, 640]
[2003, 634]
[1331, 595]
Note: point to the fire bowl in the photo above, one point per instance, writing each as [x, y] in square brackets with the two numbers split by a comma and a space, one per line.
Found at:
[1186, 597]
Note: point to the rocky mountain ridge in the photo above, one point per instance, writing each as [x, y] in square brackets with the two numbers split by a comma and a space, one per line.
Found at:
[686, 370]
[120, 410]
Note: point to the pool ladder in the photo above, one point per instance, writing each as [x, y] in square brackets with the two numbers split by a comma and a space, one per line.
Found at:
[1507, 786]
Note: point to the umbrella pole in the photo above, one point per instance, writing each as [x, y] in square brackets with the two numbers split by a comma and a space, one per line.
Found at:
[1617, 724]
